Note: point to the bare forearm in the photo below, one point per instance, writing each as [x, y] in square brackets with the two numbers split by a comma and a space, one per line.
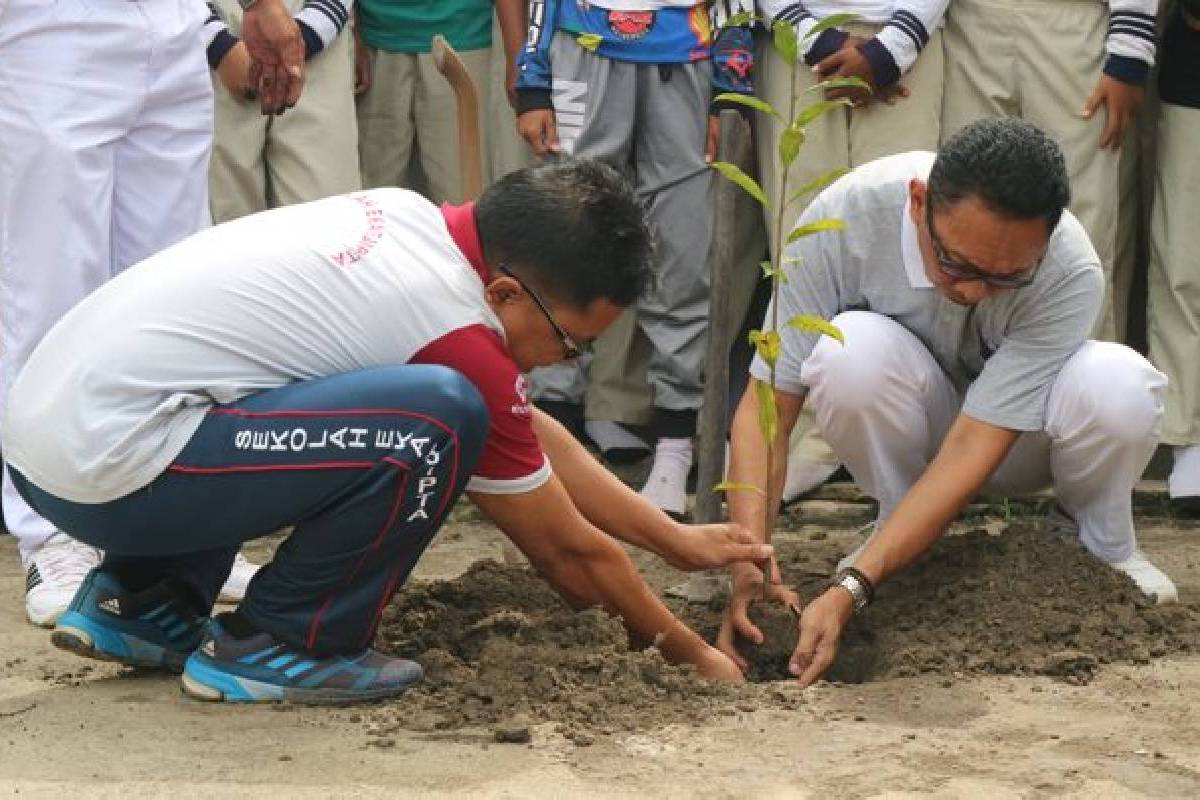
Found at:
[512, 15]
[748, 466]
[606, 577]
[970, 454]
[602, 499]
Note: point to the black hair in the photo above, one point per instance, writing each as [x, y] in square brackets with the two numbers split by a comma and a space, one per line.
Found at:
[573, 228]
[1192, 7]
[1009, 164]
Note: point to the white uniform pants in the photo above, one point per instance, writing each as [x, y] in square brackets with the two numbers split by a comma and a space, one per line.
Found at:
[885, 405]
[105, 131]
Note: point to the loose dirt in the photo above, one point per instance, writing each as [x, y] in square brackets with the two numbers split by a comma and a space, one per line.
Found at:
[500, 649]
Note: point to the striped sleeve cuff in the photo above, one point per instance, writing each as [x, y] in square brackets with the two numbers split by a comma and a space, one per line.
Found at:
[325, 19]
[904, 37]
[1130, 48]
[218, 39]
[804, 22]
[884, 69]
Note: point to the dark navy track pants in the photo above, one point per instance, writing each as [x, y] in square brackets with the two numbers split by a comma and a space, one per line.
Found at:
[364, 466]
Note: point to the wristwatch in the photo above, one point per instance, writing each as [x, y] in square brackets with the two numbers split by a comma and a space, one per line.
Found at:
[246, 4]
[858, 585]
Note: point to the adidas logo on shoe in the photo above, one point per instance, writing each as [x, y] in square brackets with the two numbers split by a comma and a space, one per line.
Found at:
[111, 605]
[32, 578]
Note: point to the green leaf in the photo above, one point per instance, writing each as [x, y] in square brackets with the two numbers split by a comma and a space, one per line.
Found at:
[768, 414]
[829, 224]
[789, 145]
[810, 323]
[769, 271]
[589, 41]
[817, 184]
[741, 19]
[767, 343]
[785, 41]
[841, 82]
[814, 110]
[832, 21]
[730, 486]
[748, 100]
[734, 173]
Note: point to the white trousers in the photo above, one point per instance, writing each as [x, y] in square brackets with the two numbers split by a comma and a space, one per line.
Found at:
[105, 131]
[885, 405]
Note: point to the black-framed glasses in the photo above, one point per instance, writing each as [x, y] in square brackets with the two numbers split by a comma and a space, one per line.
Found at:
[957, 270]
[573, 350]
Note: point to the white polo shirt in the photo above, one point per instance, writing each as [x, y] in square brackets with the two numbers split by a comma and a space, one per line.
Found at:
[1003, 353]
[117, 388]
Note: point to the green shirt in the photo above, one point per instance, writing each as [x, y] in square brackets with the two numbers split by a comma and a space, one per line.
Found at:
[407, 26]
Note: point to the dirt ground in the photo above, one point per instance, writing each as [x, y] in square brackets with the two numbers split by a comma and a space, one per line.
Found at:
[957, 705]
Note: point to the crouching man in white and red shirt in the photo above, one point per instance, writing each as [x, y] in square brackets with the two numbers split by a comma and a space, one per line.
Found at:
[345, 368]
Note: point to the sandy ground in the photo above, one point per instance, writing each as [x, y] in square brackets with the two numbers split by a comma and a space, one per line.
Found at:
[69, 727]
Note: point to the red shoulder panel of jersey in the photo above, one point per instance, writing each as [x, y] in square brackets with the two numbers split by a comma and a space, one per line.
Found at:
[512, 459]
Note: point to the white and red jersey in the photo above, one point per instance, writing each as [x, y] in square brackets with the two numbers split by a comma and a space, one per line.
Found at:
[117, 388]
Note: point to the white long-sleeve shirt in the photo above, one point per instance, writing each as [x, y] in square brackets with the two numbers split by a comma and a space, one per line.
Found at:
[908, 23]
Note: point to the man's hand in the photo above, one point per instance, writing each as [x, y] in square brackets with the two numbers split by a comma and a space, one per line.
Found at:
[695, 547]
[821, 626]
[747, 588]
[538, 129]
[1121, 102]
[716, 666]
[277, 54]
[847, 62]
[897, 91]
[362, 67]
[234, 72]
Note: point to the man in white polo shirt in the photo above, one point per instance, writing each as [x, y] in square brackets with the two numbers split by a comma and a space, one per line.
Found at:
[346, 368]
[966, 294]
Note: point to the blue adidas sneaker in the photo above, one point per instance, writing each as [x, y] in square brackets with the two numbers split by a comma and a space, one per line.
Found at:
[261, 669]
[157, 627]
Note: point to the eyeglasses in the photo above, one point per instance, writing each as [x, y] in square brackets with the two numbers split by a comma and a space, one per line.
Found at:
[572, 349]
[957, 270]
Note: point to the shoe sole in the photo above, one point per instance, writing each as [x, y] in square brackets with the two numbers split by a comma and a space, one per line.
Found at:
[116, 648]
[208, 684]
[43, 622]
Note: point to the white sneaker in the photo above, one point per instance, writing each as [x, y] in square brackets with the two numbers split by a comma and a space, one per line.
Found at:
[803, 476]
[666, 486]
[239, 578]
[1153, 582]
[53, 575]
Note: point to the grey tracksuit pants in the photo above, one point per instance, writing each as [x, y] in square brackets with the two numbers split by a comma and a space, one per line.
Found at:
[649, 122]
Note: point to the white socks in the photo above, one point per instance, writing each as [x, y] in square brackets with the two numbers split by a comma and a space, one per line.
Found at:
[667, 485]
[1185, 476]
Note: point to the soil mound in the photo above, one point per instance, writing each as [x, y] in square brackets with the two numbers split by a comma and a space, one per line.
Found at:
[498, 646]
[501, 650]
[1020, 602]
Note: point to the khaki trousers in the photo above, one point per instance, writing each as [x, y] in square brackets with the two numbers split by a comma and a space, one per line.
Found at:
[410, 103]
[1040, 60]
[260, 162]
[1174, 281]
[845, 138]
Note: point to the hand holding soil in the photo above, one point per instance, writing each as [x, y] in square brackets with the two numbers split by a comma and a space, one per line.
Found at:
[747, 588]
[821, 626]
